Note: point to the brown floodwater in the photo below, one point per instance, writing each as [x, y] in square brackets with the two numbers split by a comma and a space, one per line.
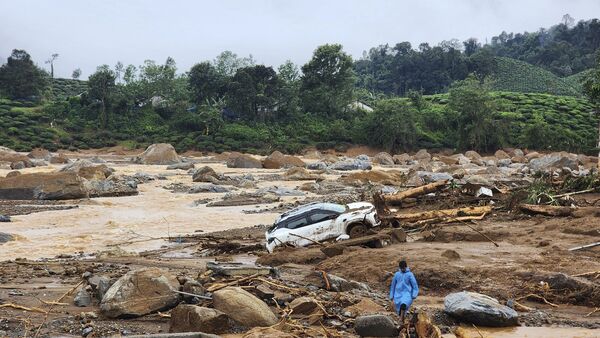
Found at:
[101, 224]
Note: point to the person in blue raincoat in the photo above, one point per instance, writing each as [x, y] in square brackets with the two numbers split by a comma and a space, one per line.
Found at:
[404, 289]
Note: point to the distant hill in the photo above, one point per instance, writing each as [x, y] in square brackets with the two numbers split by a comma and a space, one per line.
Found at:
[518, 76]
[61, 89]
[576, 80]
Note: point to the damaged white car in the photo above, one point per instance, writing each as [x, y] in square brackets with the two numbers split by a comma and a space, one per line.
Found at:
[317, 222]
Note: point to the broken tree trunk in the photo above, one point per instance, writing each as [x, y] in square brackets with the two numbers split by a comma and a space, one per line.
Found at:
[426, 189]
[444, 213]
[548, 210]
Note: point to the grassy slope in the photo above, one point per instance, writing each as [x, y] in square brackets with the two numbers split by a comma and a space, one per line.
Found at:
[64, 88]
[25, 127]
[518, 76]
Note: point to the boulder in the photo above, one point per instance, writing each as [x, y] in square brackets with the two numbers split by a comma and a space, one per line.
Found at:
[207, 187]
[18, 165]
[192, 318]
[158, 153]
[43, 186]
[479, 309]
[140, 292]
[205, 174]
[243, 307]
[517, 152]
[59, 159]
[96, 172]
[375, 326]
[278, 160]
[193, 287]
[422, 155]
[299, 174]
[82, 298]
[501, 154]
[4, 218]
[4, 237]
[181, 166]
[329, 158]
[472, 155]
[303, 306]
[449, 160]
[40, 154]
[243, 161]
[351, 164]
[402, 159]
[317, 166]
[531, 155]
[113, 187]
[554, 161]
[99, 284]
[383, 158]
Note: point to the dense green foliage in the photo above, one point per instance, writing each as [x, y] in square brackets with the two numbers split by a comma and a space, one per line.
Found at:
[20, 78]
[564, 49]
[62, 89]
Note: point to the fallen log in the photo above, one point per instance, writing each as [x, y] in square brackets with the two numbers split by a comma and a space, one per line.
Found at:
[422, 190]
[444, 213]
[587, 246]
[548, 210]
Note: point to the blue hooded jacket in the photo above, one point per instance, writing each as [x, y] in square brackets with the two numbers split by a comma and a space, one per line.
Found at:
[404, 289]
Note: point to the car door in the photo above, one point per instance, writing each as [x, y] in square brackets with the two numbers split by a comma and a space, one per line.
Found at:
[322, 225]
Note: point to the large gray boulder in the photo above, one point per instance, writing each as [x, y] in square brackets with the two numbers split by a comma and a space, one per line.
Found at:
[158, 153]
[192, 318]
[140, 292]
[243, 307]
[554, 161]
[43, 186]
[375, 326]
[351, 164]
[181, 166]
[479, 309]
[278, 160]
[112, 187]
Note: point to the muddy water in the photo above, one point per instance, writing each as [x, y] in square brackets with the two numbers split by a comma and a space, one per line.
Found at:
[532, 332]
[101, 223]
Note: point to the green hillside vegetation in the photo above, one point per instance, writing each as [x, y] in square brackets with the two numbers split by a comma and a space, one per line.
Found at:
[518, 76]
[534, 120]
[576, 80]
[61, 89]
[25, 127]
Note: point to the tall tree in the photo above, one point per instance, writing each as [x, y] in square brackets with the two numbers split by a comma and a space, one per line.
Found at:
[20, 78]
[327, 81]
[227, 63]
[76, 74]
[591, 88]
[471, 104]
[102, 87]
[206, 84]
[289, 91]
[50, 61]
[253, 92]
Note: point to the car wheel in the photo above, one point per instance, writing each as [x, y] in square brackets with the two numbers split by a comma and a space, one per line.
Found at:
[357, 230]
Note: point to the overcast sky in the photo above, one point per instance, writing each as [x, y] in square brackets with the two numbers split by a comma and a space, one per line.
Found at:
[90, 33]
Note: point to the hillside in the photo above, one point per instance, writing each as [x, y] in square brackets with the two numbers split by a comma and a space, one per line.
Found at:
[61, 89]
[537, 121]
[517, 76]
[25, 127]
